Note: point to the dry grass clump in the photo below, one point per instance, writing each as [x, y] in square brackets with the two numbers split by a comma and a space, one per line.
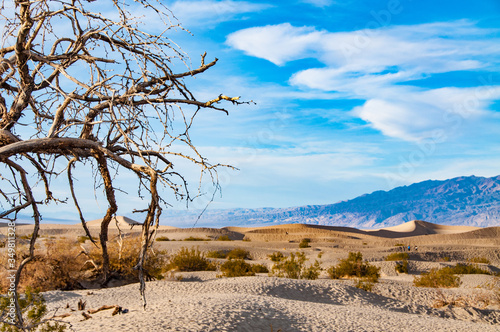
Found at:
[162, 238]
[190, 260]
[83, 239]
[294, 267]
[224, 238]
[354, 266]
[397, 256]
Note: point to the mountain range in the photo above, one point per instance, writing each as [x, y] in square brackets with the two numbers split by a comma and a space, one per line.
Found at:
[468, 201]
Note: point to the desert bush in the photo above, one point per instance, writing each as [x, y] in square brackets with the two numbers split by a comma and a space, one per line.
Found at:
[236, 268]
[320, 254]
[465, 269]
[437, 278]
[59, 266]
[192, 238]
[397, 256]
[312, 272]
[162, 238]
[217, 254]
[33, 309]
[246, 239]
[354, 266]
[276, 256]
[402, 267]
[304, 243]
[123, 258]
[367, 286]
[83, 239]
[482, 260]
[239, 253]
[224, 238]
[190, 260]
[259, 268]
[294, 267]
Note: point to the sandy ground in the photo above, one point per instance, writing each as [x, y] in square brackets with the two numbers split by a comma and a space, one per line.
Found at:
[203, 302]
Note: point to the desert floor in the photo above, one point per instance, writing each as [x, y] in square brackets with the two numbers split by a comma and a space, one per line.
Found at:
[202, 302]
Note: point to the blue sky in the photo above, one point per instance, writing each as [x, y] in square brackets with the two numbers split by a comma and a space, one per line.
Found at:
[350, 96]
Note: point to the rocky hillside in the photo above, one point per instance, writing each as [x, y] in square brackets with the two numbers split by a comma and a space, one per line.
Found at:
[471, 201]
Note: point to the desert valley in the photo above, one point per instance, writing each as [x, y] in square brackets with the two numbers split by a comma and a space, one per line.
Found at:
[208, 301]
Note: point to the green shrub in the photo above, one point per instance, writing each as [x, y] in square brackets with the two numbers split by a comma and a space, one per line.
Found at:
[312, 272]
[354, 266]
[217, 254]
[482, 260]
[238, 253]
[276, 256]
[294, 267]
[402, 267]
[259, 268]
[224, 238]
[162, 238]
[192, 238]
[304, 243]
[437, 278]
[190, 260]
[33, 308]
[236, 268]
[364, 285]
[397, 256]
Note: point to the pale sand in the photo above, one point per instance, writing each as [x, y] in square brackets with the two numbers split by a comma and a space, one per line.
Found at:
[202, 302]
[257, 303]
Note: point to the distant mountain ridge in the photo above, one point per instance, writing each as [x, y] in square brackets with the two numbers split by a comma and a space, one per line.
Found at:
[467, 201]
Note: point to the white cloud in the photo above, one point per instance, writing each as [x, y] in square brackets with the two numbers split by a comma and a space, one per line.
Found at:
[276, 43]
[195, 13]
[319, 3]
[373, 64]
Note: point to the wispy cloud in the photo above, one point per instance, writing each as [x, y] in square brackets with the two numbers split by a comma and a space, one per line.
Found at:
[211, 12]
[379, 65]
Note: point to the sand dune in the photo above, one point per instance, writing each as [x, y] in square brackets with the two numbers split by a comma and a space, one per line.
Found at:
[265, 304]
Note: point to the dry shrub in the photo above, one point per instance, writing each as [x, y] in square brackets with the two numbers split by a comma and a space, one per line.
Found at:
[162, 238]
[397, 256]
[260, 268]
[224, 238]
[437, 278]
[236, 268]
[239, 253]
[294, 267]
[59, 266]
[190, 260]
[192, 238]
[217, 254]
[354, 266]
[276, 256]
[124, 255]
[402, 267]
[482, 260]
[304, 243]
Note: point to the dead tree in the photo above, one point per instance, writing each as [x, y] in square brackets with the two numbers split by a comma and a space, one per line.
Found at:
[80, 87]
